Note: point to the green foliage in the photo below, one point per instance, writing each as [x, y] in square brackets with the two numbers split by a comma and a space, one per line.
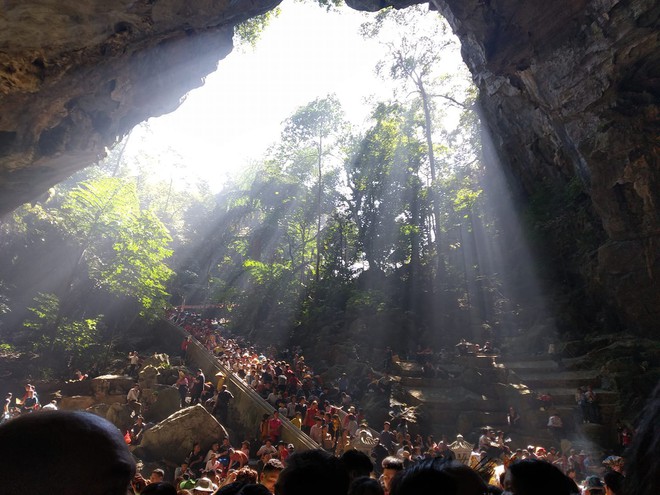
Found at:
[249, 32]
[73, 337]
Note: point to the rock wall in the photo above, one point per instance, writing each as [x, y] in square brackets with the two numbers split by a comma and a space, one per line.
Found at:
[569, 92]
[76, 76]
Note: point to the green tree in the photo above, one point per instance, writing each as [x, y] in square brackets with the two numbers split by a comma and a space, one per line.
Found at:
[416, 52]
[315, 130]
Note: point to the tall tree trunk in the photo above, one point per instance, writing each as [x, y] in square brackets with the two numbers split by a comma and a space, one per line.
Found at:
[317, 275]
[428, 131]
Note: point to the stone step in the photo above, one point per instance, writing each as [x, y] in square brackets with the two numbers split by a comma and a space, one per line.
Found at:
[565, 395]
[541, 365]
[559, 379]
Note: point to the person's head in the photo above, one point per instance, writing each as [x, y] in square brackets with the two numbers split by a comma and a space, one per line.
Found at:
[386, 425]
[159, 488]
[253, 489]
[391, 466]
[522, 478]
[312, 471]
[358, 464]
[270, 473]
[594, 486]
[364, 485]
[613, 483]
[104, 466]
[157, 475]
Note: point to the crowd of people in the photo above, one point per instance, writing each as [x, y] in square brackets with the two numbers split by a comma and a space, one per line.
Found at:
[330, 415]
[399, 463]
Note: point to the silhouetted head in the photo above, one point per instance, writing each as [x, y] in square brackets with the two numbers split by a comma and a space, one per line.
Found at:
[536, 477]
[84, 453]
[364, 485]
[357, 463]
[312, 471]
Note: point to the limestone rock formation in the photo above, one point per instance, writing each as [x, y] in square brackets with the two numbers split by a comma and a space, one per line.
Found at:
[76, 76]
[570, 93]
[568, 89]
[173, 438]
[166, 402]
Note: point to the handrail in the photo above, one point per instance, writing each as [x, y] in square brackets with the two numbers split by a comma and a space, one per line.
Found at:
[290, 433]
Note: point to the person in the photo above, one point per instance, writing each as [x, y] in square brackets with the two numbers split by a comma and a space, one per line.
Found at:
[31, 403]
[195, 459]
[204, 486]
[387, 438]
[136, 431]
[556, 426]
[274, 427]
[593, 486]
[312, 471]
[6, 407]
[51, 406]
[391, 467]
[158, 488]
[433, 475]
[221, 406]
[134, 361]
[316, 431]
[237, 459]
[182, 387]
[365, 485]
[184, 347]
[266, 448]
[357, 464]
[513, 418]
[270, 474]
[133, 400]
[157, 475]
[197, 387]
[613, 483]
[535, 477]
[103, 464]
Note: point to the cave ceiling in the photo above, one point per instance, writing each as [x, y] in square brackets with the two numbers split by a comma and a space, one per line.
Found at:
[569, 91]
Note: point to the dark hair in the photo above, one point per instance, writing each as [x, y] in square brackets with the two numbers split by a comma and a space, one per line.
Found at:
[253, 489]
[312, 471]
[614, 481]
[106, 465]
[272, 465]
[160, 488]
[364, 485]
[536, 477]
[358, 464]
[423, 478]
[391, 462]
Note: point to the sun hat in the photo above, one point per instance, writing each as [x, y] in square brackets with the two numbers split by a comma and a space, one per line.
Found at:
[204, 485]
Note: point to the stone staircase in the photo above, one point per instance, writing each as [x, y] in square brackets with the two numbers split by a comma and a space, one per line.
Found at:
[476, 391]
[560, 380]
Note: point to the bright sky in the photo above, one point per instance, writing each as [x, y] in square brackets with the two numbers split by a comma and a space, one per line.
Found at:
[303, 54]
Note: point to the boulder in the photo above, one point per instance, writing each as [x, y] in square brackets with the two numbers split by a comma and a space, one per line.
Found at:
[173, 438]
[120, 416]
[157, 361]
[76, 403]
[106, 385]
[99, 409]
[148, 377]
[166, 402]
